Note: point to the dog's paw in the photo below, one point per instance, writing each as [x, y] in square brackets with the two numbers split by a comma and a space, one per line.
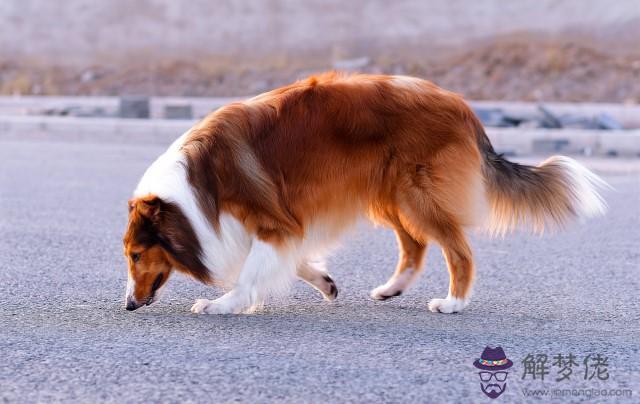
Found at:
[227, 304]
[384, 292]
[329, 290]
[448, 305]
[205, 306]
[396, 285]
[200, 306]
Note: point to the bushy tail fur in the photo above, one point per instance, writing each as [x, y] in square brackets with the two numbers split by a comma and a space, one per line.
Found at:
[546, 196]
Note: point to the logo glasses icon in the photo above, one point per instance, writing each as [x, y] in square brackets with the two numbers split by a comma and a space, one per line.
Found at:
[499, 376]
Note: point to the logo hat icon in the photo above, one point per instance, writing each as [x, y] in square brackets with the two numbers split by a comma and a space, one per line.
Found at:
[493, 359]
[492, 364]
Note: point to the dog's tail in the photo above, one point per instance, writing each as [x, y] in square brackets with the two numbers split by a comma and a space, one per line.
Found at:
[546, 196]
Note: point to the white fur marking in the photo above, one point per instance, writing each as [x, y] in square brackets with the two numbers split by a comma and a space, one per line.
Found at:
[395, 285]
[131, 286]
[266, 270]
[584, 187]
[315, 274]
[222, 253]
[448, 305]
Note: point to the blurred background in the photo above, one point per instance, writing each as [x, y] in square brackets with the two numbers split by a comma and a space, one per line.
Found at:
[526, 64]
[532, 50]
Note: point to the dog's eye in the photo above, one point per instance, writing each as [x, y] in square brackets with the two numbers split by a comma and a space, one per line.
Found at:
[135, 257]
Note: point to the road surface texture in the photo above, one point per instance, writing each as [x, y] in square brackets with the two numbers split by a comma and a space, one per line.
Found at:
[65, 336]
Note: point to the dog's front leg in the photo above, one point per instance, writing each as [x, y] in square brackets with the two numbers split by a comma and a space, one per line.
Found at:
[267, 268]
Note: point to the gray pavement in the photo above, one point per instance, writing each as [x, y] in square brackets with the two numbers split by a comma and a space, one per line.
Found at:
[65, 336]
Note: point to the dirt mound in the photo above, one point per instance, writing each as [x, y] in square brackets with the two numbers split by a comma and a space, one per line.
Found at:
[550, 72]
[504, 70]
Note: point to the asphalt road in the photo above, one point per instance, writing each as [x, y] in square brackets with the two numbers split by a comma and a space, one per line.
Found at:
[65, 336]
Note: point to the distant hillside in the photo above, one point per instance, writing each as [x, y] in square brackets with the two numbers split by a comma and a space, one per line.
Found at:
[526, 49]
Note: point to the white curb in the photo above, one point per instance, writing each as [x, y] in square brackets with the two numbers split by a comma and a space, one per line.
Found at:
[515, 141]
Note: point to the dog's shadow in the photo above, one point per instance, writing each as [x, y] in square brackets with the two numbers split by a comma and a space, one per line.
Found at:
[347, 318]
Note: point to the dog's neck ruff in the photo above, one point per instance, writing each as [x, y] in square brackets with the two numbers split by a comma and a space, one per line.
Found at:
[167, 179]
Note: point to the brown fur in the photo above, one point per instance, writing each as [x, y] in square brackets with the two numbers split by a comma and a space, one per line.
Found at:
[331, 146]
[401, 150]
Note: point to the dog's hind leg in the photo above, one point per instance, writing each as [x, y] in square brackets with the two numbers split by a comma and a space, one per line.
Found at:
[408, 269]
[459, 260]
[315, 274]
[427, 218]
[437, 224]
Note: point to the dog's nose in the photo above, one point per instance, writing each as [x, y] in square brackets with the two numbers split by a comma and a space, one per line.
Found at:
[131, 305]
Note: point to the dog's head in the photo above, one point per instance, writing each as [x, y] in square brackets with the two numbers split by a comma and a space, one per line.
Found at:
[158, 239]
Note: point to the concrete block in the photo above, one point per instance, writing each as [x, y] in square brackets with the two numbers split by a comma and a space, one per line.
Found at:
[135, 107]
[544, 146]
[184, 111]
[620, 143]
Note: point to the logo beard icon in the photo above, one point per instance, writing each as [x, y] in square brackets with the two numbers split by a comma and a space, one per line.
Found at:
[493, 390]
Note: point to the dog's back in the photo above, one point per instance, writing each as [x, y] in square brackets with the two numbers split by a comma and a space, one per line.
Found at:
[333, 145]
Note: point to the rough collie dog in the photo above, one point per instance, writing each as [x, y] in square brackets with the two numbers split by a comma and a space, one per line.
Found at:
[256, 193]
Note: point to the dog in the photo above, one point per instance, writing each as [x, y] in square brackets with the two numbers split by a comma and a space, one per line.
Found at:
[259, 191]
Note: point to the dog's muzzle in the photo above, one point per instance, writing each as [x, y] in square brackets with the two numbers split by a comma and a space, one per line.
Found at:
[132, 304]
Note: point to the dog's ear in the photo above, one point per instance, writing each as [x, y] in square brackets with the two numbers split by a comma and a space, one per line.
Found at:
[148, 206]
